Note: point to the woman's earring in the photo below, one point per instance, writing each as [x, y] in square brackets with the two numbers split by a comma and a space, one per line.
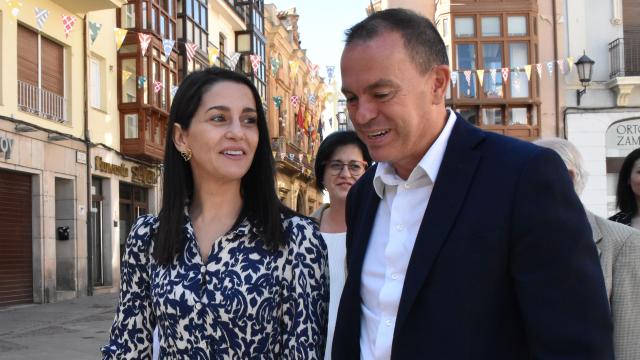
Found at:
[186, 155]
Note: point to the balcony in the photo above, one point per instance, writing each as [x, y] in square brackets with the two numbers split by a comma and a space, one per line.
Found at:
[624, 56]
[40, 102]
[288, 160]
[83, 6]
[143, 134]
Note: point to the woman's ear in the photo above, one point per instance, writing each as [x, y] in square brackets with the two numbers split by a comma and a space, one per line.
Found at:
[180, 138]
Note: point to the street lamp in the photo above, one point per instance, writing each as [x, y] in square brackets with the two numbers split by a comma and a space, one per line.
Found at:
[585, 68]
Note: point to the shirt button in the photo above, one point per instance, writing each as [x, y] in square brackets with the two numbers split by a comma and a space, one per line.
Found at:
[399, 227]
[388, 322]
[203, 268]
[198, 306]
[395, 276]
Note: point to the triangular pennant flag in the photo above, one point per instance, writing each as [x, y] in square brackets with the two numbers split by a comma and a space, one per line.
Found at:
[294, 101]
[480, 76]
[454, 78]
[550, 68]
[167, 47]
[330, 72]
[41, 17]
[126, 75]
[255, 62]
[570, 62]
[293, 67]
[277, 100]
[275, 66]
[539, 69]
[191, 50]
[233, 60]
[145, 40]
[120, 35]
[314, 70]
[67, 22]
[174, 90]
[492, 72]
[467, 76]
[505, 74]
[15, 6]
[212, 53]
[94, 30]
[527, 70]
[157, 86]
[560, 65]
[141, 81]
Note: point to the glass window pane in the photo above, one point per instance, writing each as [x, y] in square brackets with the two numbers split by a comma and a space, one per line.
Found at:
[162, 27]
[96, 84]
[519, 56]
[491, 116]
[203, 16]
[144, 15]
[131, 126]
[466, 58]
[189, 7]
[469, 114]
[128, 74]
[491, 26]
[179, 29]
[518, 116]
[189, 31]
[154, 20]
[492, 79]
[465, 27]
[128, 16]
[145, 86]
[517, 25]
[445, 28]
[196, 13]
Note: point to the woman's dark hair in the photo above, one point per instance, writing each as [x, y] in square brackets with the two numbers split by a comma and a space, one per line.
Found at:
[260, 201]
[329, 145]
[625, 198]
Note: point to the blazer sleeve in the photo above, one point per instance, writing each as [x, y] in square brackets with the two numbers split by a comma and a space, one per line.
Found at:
[555, 268]
[131, 335]
[625, 299]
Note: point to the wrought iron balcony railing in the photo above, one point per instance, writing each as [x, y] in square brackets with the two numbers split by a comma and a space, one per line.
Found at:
[624, 54]
[41, 102]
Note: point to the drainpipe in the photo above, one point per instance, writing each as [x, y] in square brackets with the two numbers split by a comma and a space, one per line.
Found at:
[87, 142]
[556, 78]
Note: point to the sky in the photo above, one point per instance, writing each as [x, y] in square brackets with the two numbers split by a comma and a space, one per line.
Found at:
[322, 24]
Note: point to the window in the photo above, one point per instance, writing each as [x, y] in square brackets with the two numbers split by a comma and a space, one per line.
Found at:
[445, 28]
[128, 75]
[491, 26]
[517, 25]
[131, 126]
[466, 62]
[465, 27]
[96, 82]
[41, 85]
[492, 59]
[519, 55]
[128, 16]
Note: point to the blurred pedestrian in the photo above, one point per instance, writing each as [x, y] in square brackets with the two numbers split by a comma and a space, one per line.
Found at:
[628, 191]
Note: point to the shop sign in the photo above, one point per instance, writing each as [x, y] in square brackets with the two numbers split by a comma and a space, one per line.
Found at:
[143, 175]
[624, 135]
[6, 145]
[120, 170]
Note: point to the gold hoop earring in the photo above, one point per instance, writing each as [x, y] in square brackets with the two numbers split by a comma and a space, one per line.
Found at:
[186, 155]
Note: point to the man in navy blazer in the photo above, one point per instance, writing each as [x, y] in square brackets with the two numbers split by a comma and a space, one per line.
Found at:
[461, 244]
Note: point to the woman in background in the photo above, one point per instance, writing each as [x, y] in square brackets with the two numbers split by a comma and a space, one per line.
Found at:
[341, 159]
[628, 191]
[225, 270]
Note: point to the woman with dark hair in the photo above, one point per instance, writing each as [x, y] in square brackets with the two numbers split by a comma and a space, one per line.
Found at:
[225, 270]
[628, 191]
[341, 159]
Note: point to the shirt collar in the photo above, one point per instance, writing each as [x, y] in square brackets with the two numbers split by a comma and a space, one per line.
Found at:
[428, 166]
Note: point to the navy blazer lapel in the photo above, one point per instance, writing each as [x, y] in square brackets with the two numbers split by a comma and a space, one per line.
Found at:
[449, 191]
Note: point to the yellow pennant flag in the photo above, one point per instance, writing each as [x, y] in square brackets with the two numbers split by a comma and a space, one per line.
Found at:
[570, 61]
[527, 70]
[125, 75]
[293, 66]
[120, 34]
[213, 54]
[480, 76]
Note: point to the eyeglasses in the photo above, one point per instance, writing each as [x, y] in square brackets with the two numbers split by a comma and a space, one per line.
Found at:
[356, 168]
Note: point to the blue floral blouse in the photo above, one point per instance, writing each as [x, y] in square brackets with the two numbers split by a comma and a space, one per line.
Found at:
[246, 302]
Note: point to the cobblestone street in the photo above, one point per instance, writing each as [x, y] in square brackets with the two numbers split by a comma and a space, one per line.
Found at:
[67, 330]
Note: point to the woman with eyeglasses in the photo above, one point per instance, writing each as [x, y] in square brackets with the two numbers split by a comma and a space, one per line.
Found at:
[341, 159]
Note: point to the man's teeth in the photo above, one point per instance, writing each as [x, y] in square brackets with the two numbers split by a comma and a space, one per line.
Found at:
[379, 133]
[233, 152]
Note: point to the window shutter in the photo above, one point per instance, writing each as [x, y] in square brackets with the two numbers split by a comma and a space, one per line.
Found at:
[27, 55]
[52, 67]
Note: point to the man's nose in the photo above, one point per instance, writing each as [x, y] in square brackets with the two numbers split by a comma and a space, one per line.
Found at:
[364, 111]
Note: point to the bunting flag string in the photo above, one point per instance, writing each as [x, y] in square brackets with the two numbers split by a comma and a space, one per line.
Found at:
[560, 66]
[294, 101]
[167, 46]
[233, 60]
[550, 68]
[190, 49]
[255, 62]
[157, 86]
[312, 99]
[41, 17]
[277, 101]
[94, 30]
[454, 78]
[492, 72]
[330, 72]
[467, 76]
[145, 40]
[120, 35]
[314, 70]
[505, 74]
[275, 66]
[15, 6]
[527, 70]
[141, 81]
[480, 76]
[212, 54]
[539, 69]
[67, 22]
[293, 67]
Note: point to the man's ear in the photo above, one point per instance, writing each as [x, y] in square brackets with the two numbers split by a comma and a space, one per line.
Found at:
[180, 138]
[441, 75]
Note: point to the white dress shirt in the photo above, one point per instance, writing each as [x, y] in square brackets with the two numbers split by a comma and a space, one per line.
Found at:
[394, 232]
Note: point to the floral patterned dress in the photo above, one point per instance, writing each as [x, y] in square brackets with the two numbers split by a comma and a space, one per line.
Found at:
[244, 302]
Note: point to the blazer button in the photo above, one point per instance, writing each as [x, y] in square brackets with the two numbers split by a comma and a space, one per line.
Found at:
[198, 306]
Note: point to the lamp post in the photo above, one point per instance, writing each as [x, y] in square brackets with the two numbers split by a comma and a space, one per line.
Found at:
[585, 69]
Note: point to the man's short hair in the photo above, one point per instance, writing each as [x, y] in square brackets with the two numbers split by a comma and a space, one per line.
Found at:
[570, 156]
[422, 41]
